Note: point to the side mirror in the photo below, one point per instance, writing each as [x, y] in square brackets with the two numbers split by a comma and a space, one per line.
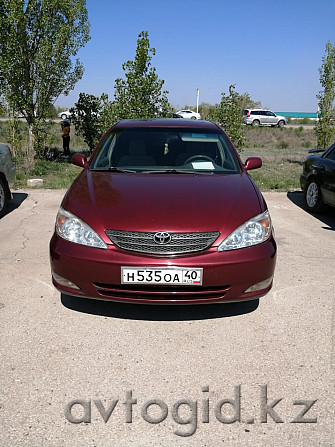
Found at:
[79, 160]
[253, 163]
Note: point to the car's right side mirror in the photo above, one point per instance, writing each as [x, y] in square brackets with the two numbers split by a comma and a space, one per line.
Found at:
[79, 160]
[253, 163]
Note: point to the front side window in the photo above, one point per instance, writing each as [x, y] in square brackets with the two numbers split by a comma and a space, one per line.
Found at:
[331, 155]
[166, 150]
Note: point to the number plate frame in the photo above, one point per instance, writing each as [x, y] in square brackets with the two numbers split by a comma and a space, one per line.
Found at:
[181, 276]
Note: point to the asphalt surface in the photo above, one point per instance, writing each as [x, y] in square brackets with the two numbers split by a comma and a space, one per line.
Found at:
[82, 373]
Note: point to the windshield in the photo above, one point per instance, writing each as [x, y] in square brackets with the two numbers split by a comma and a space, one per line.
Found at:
[166, 150]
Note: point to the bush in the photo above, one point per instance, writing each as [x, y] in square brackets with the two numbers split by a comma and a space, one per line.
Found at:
[299, 130]
[282, 145]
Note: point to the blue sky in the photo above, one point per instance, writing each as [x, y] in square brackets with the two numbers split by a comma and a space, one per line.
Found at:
[269, 49]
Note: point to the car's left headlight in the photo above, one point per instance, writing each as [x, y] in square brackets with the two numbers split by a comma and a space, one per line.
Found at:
[73, 229]
[253, 232]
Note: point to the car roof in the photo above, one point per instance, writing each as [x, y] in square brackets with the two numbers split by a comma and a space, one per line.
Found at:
[166, 122]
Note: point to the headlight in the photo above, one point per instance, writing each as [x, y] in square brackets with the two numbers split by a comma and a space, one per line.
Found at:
[253, 232]
[72, 229]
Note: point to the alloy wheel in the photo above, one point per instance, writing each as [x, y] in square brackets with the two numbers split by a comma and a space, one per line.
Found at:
[312, 194]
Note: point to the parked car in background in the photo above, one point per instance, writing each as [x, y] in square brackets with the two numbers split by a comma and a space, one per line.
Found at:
[66, 114]
[7, 176]
[164, 212]
[189, 114]
[263, 117]
[318, 179]
[166, 114]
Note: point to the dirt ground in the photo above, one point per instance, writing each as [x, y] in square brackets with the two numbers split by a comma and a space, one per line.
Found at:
[80, 373]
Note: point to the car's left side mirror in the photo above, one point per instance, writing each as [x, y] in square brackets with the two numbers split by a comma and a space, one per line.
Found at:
[79, 160]
[253, 163]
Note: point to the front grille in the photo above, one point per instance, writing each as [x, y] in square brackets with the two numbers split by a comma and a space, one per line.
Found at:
[144, 242]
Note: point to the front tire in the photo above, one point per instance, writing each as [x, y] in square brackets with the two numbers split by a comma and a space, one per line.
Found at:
[313, 197]
[3, 197]
[281, 123]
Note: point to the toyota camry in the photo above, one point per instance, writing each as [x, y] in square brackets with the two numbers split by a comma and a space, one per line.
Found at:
[164, 212]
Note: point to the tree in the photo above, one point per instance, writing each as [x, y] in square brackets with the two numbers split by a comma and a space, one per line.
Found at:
[51, 111]
[324, 130]
[244, 100]
[228, 115]
[3, 107]
[140, 94]
[205, 109]
[247, 103]
[92, 116]
[38, 41]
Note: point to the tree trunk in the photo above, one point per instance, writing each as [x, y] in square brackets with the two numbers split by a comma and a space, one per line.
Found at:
[31, 150]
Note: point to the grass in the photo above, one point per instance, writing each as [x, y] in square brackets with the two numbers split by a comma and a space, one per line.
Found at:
[281, 167]
[282, 151]
[55, 174]
[281, 176]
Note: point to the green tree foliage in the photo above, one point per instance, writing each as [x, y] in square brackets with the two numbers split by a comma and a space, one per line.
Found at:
[204, 109]
[38, 41]
[140, 94]
[325, 131]
[3, 107]
[14, 138]
[247, 103]
[92, 116]
[51, 111]
[244, 100]
[228, 115]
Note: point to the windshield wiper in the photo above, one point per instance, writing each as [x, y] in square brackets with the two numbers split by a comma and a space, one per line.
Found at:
[176, 171]
[114, 169]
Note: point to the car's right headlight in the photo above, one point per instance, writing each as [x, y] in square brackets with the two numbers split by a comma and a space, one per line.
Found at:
[253, 232]
[73, 229]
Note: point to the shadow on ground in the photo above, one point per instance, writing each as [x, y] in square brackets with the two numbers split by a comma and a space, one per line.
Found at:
[327, 217]
[158, 313]
[18, 199]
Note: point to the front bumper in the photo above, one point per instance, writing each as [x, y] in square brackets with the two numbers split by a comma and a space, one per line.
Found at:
[226, 275]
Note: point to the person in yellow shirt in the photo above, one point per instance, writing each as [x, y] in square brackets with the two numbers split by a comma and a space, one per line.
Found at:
[66, 138]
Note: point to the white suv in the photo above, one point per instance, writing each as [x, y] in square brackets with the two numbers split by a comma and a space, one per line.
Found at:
[263, 117]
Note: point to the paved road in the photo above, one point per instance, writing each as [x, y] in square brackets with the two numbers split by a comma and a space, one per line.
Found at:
[65, 360]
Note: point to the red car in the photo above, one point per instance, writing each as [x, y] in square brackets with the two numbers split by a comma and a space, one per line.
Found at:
[164, 212]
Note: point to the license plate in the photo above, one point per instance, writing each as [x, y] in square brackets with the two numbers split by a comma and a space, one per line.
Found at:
[154, 275]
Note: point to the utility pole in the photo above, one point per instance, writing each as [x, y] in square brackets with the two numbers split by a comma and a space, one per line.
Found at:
[197, 100]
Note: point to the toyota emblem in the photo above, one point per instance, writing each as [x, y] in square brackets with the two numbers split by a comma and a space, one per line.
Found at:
[162, 237]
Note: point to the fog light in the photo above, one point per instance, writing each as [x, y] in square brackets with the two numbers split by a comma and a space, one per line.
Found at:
[64, 282]
[260, 285]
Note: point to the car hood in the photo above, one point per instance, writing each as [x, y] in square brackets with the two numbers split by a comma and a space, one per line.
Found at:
[163, 202]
